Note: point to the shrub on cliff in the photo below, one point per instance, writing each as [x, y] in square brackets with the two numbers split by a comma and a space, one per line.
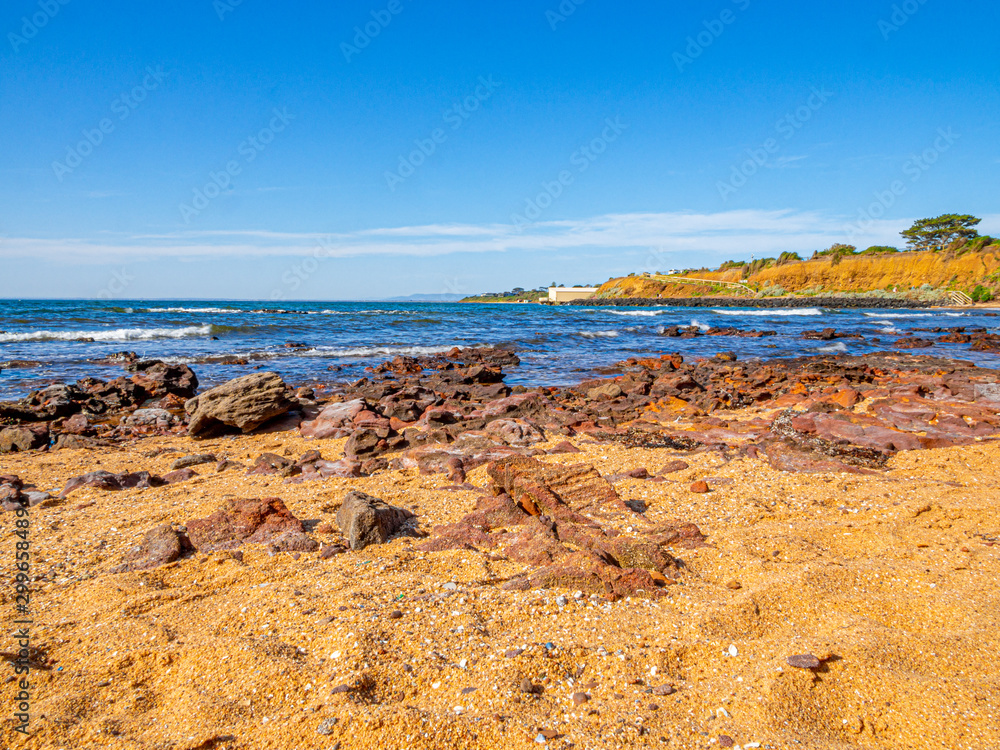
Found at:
[879, 250]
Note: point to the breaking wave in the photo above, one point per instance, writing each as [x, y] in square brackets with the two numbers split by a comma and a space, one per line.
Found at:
[782, 312]
[117, 334]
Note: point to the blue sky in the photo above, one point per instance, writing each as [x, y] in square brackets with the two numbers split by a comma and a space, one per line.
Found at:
[255, 150]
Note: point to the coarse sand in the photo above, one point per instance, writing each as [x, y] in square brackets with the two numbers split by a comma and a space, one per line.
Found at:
[890, 580]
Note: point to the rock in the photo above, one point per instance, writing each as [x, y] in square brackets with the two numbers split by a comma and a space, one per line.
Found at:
[611, 390]
[517, 432]
[734, 585]
[804, 661]
[160, 546]
[159, 379]
[244, 403]
[366, 520]
[334, 421]
[196, 460]
[701, 486]
[243, 521]
[226, 465]
[564, 447]
[580, 698]
[913, 343]
[395, 615]
[539, 487]
[181, 475]
[150, 418]
[76, 425]
[269, 463]
[673, 466]
[26, 438]
[77, 442]
[105, 480]
[293, 541]
[664, 690]
[326, 726]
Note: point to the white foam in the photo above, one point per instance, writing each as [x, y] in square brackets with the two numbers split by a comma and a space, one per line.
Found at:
[189, 310]
[370, 351]
[779, 312]
[840, 346]
[637, 313]
[699, 324]
[599, 334]
[898, 315]
[116, 334]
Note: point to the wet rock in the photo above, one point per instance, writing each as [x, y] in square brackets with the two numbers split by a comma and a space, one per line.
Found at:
[366, 520]
[243, 521]
[160, 546]
[913, 342]
[26, 438]
[245, 404]
[158, 379]
[105, 480]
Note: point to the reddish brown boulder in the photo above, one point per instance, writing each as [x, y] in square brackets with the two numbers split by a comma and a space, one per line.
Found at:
[244, 521]
[160, 546]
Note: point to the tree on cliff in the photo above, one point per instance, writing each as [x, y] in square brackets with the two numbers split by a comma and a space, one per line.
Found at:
[934, 234]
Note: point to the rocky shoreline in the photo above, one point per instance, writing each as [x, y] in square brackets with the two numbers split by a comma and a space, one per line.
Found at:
[767, 302]
[450, 558]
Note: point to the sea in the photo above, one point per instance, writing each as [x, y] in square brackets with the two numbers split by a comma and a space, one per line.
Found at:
[311, 343]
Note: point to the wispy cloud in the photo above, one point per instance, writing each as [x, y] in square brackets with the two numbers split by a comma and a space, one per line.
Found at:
[786, 162]
[735, 233]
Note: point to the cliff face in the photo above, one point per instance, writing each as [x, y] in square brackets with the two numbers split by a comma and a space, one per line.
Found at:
[870, 272]
[866, 273]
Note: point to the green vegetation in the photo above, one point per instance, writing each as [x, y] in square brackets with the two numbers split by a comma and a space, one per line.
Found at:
[517, 294]
[879, 250]
[837, 250]
[981, 294]
[936, 233]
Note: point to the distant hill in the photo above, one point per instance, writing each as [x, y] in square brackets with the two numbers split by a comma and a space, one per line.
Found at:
[426, 298]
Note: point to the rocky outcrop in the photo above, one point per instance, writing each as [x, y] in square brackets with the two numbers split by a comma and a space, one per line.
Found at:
[105, 480]
[242, 404]
[563, 522]
[160, 546]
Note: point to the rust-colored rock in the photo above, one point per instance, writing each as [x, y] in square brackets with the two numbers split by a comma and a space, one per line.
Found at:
[244, 521]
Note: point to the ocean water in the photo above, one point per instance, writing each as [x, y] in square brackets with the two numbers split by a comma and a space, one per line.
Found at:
[45, 342]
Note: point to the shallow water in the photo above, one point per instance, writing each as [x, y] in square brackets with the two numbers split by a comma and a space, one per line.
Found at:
[557, 345]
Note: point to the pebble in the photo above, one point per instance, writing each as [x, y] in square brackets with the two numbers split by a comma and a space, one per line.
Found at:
[734, 585]
[726, 741]
[527, 686]
[732, 650]
[654, 707]
[395, 615]
[580, 698]
[562, 601]
[701, 486]
[513, 653]
[326, 726]
[450, 586]
[664, 690]
[803, 661]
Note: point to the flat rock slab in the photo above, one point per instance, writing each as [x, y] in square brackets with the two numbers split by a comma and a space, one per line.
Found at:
[105, 480]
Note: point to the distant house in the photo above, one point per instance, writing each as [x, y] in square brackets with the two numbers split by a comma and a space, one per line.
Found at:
[571, 293]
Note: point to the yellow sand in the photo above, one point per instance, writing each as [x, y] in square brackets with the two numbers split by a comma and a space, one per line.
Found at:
[894, 578]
